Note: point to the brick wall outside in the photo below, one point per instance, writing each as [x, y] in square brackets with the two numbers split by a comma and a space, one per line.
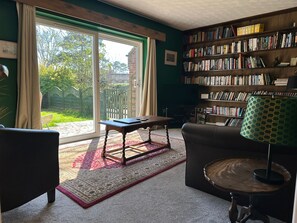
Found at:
[132, 84]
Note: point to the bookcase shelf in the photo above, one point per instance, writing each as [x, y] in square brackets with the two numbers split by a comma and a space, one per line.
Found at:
[225, 116]
[244, 71]
[266, 49]
[225, 101]
[236, 38]
[235, 55]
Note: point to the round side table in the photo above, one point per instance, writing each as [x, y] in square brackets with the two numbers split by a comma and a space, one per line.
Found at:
[236, 176]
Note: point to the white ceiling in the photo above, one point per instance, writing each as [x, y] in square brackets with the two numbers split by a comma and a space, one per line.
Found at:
[190, 14]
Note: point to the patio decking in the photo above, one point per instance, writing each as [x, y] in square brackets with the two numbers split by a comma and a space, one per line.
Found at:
[75, 128]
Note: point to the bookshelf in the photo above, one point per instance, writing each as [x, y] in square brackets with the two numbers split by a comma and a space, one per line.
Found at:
[249, 56]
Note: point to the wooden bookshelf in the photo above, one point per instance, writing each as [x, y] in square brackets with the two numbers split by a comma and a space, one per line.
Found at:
[217, 53]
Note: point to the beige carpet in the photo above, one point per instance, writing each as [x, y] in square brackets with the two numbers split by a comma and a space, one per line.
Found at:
[88, 179]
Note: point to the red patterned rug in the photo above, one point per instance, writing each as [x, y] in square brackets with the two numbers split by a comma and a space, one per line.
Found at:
[88, 179]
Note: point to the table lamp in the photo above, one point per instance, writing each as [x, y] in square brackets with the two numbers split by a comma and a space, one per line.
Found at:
[271, 120]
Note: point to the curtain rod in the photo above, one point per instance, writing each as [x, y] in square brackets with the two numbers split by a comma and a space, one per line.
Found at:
[96, 17]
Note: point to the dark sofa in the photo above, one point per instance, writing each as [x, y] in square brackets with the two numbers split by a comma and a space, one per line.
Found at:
[206, 143]
[29, 165]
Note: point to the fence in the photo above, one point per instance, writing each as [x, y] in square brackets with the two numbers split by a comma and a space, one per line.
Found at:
[113, 101]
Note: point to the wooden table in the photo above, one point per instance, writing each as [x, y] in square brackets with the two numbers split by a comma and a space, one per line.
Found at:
[146, 122]
[236, 177]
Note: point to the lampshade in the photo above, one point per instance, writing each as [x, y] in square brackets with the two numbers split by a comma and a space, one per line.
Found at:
[271, 120]
[292, 83]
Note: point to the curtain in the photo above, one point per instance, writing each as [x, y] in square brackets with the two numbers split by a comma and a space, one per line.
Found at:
[295, 204]
[149, 93]
[28, 102]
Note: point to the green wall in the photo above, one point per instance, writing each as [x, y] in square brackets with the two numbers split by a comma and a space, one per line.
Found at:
[168, 76]
[8, 32]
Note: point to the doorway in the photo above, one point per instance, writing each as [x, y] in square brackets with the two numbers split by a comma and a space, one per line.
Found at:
[120, 77]
[85, 77]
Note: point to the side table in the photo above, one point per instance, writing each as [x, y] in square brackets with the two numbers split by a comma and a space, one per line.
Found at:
[236, 176]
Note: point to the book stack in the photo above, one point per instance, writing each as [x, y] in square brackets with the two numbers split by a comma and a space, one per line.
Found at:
[208, 110]
[281, 82]
[204, 96]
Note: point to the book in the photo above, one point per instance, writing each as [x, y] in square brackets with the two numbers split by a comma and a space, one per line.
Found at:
[128, 120]
[283, 64]
[234, 31]
[204, 96]
[258, 28]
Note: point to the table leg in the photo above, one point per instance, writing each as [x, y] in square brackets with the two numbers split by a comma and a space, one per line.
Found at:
[104, 146]
[244, 214]
[123, 152]
[167, 135]
[250, 212]
[149, 136]
[233, 211]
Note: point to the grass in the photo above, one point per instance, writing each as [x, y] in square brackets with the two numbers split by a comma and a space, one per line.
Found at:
[63, 116]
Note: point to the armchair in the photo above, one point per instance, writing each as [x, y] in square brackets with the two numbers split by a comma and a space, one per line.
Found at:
[29, 165]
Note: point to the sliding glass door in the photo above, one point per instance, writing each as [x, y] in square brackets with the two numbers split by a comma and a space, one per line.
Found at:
[120, 77]
[85, 77]
[67, 69]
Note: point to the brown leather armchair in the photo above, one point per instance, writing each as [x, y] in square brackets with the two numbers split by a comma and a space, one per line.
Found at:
[206, 143]
[29, 165]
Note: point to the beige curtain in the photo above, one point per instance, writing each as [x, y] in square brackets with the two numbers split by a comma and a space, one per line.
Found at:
[149, 93]
[28, 101]
[295, 204]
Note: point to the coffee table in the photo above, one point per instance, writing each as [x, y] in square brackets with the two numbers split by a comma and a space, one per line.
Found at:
[119, 154]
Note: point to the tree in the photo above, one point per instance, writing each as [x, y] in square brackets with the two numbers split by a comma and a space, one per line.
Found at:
[77, 55]
[48, 44]
[118, 67]
[66, 59]
[51, 77]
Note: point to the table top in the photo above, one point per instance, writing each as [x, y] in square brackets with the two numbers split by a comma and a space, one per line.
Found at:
[144, 120]
[236, 175]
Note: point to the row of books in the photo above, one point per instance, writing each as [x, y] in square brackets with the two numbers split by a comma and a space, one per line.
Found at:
[213, 34]
[236, 122]
[288, 40]
[222, 32]
[207, 51]
[225, 111]
[245, 30]
[281, 82]
[249, 45]
[229, 96]
[276, 93]
[230, 80]
[224, 64]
